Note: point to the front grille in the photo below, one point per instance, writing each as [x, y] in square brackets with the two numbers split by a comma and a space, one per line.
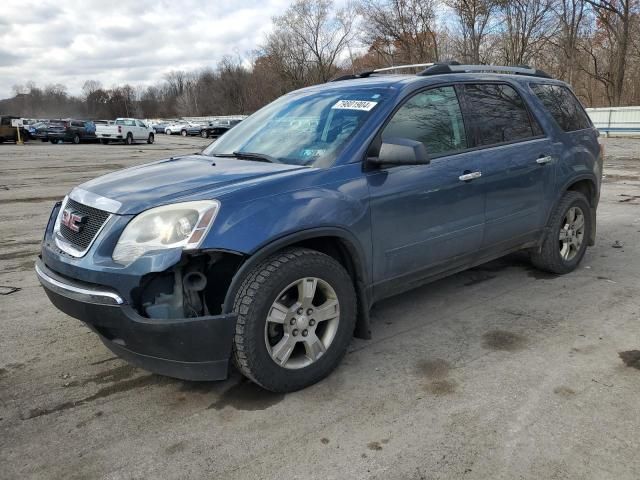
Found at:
[95, 219]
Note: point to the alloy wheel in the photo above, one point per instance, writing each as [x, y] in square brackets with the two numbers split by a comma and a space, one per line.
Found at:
[302, 323]
[571, 233]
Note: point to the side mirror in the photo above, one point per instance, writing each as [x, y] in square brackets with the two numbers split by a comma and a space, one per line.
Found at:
[401, 151]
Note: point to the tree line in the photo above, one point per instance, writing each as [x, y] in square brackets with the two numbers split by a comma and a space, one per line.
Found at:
[592, 44]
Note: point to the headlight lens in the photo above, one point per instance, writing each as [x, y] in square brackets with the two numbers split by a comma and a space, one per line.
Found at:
[178, 225]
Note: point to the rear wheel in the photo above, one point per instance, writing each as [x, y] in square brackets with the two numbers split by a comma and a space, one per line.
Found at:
[150, 139]
[567, 235]
[168, 132]
[76, 139]
[129, 139]
[296, 316]
[204, 134]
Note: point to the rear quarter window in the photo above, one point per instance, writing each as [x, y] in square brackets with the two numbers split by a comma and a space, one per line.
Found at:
[563, 106]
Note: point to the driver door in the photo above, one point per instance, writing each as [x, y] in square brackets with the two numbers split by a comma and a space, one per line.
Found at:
[426, 218]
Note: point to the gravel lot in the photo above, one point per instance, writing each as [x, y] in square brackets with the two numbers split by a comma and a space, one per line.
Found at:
[499, 372]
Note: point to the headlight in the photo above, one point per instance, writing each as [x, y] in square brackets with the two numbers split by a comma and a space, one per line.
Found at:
[178, 225]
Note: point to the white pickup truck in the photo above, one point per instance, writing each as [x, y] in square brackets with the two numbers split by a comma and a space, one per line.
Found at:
[127, 130]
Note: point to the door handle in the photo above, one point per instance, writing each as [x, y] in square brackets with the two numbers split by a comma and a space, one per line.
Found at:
[470, 176]
[544, 160]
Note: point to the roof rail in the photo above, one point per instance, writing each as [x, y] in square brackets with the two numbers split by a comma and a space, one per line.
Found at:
[367, 73]
[442, 68]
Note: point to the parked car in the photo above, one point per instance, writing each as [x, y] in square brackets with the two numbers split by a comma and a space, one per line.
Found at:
[127, 130]
[218, 128]
[159, 127]
[183, 128]
[8, 132]
[38, 131]
[70, 130]
[270, 247]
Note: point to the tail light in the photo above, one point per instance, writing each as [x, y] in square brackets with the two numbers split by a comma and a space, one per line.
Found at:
[119, 128]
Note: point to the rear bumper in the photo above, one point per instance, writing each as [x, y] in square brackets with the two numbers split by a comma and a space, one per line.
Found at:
[187, 348]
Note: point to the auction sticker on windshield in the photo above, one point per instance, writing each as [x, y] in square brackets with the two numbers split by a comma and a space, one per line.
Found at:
[354, 105]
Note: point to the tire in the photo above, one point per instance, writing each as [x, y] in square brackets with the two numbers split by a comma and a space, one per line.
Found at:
[150, 139]
[204, 134]
[254, 348]
[1, 140]
[104, 141]
[565, 244]
[183, 133]
[53, 141]
[128, 139]
[167, 132]
[76, 139]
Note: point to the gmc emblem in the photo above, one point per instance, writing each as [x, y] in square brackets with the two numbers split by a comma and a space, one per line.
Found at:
[73, 220]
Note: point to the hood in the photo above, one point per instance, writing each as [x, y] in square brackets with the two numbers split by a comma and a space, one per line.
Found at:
[145, 186]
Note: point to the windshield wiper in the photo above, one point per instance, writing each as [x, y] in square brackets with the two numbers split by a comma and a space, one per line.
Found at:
[260, 157]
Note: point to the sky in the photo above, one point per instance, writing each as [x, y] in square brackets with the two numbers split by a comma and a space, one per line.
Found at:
[123, 41]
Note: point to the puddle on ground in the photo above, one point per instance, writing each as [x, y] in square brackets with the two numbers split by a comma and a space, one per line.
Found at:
[441, 387]
[503, 340]
[119, 387]
[631, 358]
[112, 375]
[564, 391]
[247, 396]
[434, 369]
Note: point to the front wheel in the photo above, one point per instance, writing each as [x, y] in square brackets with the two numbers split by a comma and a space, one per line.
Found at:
[76, 139]
[296, 315]
[183, 133]
[150, 139]
[567, 235]
[204, 134]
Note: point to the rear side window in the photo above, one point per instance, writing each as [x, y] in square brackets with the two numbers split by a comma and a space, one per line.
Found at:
[77, 124]
[432, 117]
[563, 106]
[499, 114]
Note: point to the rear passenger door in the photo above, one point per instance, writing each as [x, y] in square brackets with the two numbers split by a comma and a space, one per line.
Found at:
[517, 163]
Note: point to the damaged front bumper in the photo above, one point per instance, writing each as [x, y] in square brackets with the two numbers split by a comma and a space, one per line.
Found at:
[188, 348]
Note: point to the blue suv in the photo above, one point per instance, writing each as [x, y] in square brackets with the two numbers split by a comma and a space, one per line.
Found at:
[271, 246]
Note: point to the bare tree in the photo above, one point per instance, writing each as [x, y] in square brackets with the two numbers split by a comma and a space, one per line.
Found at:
[315, 33]
[401, 31]
[571, 17]
[476, 19]
[614, 19]
[528, 26]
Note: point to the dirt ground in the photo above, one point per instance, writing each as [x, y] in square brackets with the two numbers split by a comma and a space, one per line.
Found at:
[500, 372]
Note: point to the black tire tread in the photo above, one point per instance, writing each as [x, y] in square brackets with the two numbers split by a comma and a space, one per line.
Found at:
[548, 258]
[246, 295]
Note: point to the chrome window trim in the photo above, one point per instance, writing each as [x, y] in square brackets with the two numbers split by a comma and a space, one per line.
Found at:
[62, 243]
[94, 200]
[78, 293]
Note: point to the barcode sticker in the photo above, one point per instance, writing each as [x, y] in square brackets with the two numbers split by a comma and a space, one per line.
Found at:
[354, 105]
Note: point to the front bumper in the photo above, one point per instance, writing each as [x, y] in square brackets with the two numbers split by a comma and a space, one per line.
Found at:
[187, 348]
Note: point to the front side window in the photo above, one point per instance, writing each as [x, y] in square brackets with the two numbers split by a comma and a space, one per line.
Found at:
[432, 117]
[563, 106]
[499, 114]
[303, 128]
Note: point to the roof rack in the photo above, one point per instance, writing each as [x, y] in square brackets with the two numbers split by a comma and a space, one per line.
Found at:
[442, 68]
[367, 73]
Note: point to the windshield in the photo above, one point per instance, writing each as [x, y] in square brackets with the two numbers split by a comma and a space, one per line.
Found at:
[302, 128]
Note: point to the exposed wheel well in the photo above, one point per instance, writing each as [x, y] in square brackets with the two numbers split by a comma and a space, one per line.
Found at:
[345, 254]
[587, 188]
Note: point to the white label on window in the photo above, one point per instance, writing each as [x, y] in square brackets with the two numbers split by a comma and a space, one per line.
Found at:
[354, 105]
